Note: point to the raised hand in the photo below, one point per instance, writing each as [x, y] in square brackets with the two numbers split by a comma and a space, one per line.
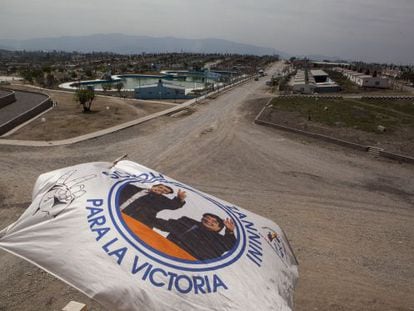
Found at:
[229, 224]
[181, 195]
[62, 194]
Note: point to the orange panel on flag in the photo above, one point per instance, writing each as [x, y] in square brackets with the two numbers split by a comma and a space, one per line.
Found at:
[155, 240]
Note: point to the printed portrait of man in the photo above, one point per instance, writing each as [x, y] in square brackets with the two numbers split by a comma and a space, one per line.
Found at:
[144, 204]
[201, 239]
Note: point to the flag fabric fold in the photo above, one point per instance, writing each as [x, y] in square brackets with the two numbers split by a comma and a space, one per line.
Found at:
[134, 239]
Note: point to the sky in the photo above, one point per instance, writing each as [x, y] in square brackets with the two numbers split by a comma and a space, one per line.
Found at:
[368, 30]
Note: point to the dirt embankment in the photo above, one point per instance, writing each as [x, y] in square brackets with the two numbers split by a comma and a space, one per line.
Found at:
[400, 141]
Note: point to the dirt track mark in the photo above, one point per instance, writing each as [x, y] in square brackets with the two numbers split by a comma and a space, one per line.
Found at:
[354, 245]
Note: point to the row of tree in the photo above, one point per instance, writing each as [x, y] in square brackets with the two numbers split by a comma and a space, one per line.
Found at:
[109, 86]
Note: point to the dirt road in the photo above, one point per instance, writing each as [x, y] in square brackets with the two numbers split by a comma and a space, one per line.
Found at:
[349, 217]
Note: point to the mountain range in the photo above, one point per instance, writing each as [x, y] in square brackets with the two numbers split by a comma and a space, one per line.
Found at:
[128, 44]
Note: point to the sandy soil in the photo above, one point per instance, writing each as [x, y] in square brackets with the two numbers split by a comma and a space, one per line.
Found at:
[349, 216]
[67, 120]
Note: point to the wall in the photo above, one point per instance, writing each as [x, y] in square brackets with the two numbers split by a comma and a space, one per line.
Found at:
[7, 99]
[27, 115]
[377, 82]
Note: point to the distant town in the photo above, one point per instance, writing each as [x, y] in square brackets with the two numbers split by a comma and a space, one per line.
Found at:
[51, 69]
[179, 77]
[318, 145]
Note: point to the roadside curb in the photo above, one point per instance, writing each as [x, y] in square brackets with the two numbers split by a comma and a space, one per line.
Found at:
[27, 114]
[8, 98]
[330, 139]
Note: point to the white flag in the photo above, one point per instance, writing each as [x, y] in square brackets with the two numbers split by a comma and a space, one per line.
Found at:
[133, 239]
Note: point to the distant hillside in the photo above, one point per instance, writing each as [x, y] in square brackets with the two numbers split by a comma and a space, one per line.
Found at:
[125, 44]
[318, 57]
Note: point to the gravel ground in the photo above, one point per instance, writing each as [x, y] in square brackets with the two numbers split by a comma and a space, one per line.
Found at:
[349, 216]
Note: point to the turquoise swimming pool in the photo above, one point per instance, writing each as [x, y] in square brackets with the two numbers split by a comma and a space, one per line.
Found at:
[132, 81]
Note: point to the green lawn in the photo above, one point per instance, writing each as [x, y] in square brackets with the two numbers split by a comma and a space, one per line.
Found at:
[346, 85]
[363, 114]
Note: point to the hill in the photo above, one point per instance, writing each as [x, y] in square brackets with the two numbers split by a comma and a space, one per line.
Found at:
[127, 44]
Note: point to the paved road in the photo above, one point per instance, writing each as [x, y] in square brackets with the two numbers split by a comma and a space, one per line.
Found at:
[24, 101]
[349, 217]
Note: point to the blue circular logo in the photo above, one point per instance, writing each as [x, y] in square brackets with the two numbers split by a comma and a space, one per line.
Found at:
[143, 202]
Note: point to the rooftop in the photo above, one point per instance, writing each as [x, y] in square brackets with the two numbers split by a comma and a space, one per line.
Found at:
[318, 73]
[164, 85]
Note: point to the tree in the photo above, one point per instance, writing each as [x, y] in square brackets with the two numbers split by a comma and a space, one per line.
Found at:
[119, 86]
[50, 80]
[85, 98]
[88, 72]
[40, 80]
[46, 69]
[27, 75]
[106, 87]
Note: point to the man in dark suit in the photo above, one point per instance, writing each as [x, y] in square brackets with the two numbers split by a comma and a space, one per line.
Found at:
[144, 204]
[202, 239]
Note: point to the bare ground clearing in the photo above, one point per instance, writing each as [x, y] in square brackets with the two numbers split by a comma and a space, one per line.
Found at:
[67, 120]
[400, 140]
[349, 216]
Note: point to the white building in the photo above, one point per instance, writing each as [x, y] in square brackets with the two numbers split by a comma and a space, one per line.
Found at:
[370, 81]
[300, 85]
[316, 81]
[320, 76]
[364, 80]
[324, 84]
[303, 88]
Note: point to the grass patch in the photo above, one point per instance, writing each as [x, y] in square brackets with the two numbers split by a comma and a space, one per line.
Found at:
[405, 106]
[362, 114]
[346, 85]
